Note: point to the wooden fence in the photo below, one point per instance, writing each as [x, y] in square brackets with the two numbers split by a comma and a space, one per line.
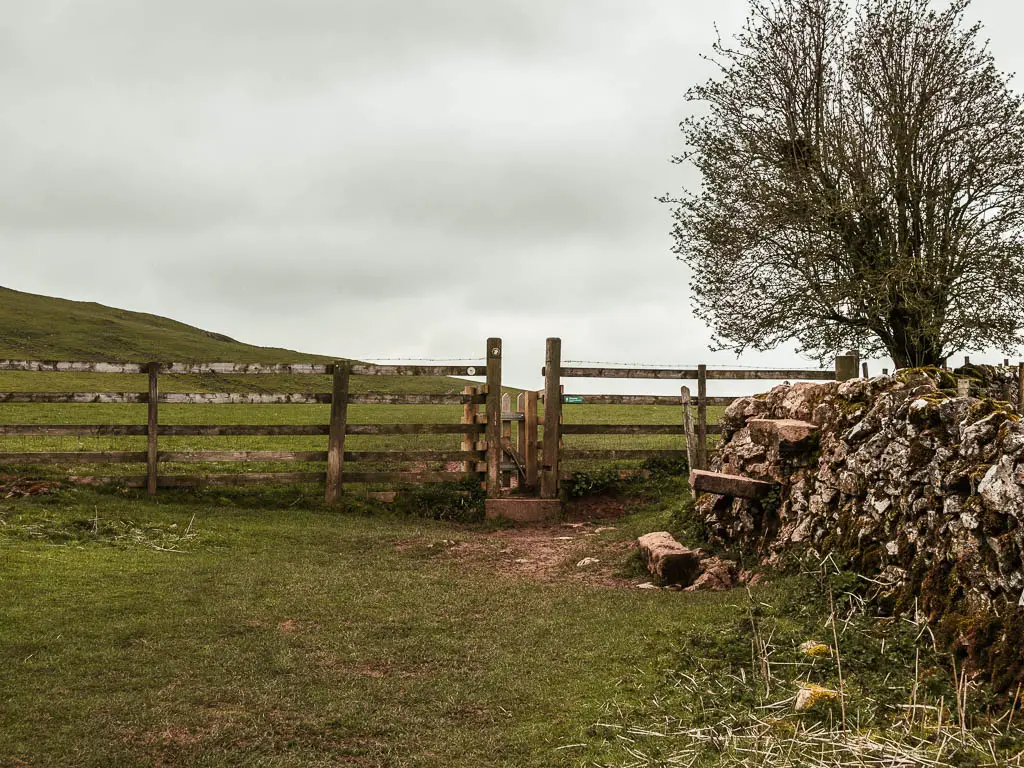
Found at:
[697, 450]
[477, 458]
[487, 453]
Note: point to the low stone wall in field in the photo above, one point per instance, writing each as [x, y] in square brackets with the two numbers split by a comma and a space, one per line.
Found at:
[916, 488]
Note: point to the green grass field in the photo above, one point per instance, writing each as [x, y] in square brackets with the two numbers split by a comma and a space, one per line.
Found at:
[264, 628]
[268, 630]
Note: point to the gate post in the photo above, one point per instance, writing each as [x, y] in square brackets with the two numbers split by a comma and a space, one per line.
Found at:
[493, 409]
[552, 418]
[847, 366]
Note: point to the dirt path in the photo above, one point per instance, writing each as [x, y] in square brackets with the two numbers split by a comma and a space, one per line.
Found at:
[584, 549]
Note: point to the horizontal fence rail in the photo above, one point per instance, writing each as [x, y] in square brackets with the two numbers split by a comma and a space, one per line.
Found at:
[237, 398]
[694, 373]
[300, 369]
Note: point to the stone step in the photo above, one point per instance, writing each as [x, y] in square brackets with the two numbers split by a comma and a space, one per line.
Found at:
[729, 485]
[523, 509]
[782, 434]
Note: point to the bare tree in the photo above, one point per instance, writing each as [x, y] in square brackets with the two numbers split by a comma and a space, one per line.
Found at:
[863, 184]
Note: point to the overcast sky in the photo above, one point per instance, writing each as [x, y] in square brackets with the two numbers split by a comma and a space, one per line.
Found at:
[367, 178]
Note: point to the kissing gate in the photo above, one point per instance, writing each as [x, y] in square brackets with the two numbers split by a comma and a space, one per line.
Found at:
[533, 466]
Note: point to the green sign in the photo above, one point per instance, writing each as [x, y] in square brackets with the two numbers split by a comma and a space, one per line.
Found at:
[572, 399]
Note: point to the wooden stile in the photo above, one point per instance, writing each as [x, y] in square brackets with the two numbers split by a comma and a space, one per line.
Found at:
[552, 418]
[336, 441]
[493, 426]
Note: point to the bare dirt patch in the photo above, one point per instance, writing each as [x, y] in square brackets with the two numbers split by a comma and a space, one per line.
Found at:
[583, 549]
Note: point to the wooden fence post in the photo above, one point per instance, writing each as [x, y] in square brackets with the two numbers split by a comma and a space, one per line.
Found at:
[702, 417]
[336, 441]
[469, 438]
[493, 417]
[529, 448]
[691, 440]
[1020, 388]
[552, 418]
[152, 429]
[846, 367]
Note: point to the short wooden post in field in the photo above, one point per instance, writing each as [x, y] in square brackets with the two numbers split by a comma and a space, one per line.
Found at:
[336, 441]
[152, 428]
[529, 446]
[691, 439]
[702, 417]
[552, 418]
[469, 438]
[846, 367]
[493, 408]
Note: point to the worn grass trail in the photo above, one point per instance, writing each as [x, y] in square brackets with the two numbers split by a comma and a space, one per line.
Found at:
[289, 636]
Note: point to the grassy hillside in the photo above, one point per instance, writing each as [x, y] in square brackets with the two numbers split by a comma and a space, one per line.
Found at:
[36, 327]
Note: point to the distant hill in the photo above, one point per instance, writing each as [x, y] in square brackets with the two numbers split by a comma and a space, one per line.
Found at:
[36, 327]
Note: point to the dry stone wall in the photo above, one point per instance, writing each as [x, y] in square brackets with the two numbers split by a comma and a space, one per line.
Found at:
[918, 489]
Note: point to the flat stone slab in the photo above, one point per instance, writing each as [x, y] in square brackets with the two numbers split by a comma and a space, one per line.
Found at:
[782, 433]
[523, 510]
[668, 559]
[729, 485]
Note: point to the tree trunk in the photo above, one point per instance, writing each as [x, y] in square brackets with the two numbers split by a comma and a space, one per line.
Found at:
[910, 345]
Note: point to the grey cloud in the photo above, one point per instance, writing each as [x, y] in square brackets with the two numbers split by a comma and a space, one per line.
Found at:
[352, 176]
